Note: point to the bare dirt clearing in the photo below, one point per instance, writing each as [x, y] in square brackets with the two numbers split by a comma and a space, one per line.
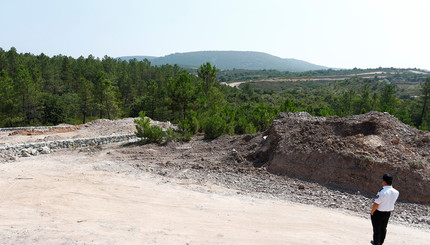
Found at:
[78, 198]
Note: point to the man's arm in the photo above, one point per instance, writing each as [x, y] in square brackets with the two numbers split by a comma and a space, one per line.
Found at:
[375, 206]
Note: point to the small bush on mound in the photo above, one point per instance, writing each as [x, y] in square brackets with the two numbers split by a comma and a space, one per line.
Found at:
[154, 134]
[150, 134]
[171, 135]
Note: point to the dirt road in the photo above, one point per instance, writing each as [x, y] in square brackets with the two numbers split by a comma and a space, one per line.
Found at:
[69, 197]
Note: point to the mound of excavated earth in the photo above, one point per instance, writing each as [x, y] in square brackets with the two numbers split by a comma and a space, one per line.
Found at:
[349, 153]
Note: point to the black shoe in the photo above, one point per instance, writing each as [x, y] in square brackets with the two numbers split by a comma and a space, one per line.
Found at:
[372, 242]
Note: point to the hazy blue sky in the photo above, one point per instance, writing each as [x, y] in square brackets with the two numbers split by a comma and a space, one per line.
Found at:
[335, 33]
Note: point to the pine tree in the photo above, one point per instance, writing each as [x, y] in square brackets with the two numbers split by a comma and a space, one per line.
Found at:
[13, 62]
[8, 104]
[106, 96]
[425, 91]
[207, 74]
[387, 99]
[28, 94]
[181, 92]
[86, 98]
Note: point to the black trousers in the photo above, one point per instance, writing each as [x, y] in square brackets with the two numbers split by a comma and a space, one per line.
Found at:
[379, 223]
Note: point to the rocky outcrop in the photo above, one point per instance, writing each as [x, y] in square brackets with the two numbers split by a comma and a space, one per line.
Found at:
[349, 153]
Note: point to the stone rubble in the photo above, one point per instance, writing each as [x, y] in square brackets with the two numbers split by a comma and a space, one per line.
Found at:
[9, 152]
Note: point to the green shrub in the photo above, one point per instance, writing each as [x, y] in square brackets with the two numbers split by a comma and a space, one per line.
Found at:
[244, 127]
[229, 129]
[148, 133]
[170, 135]
[250, 129]
[214, 127]
[186, 136]
[154, 134]
[416, 164]
[190, 124]
[262, 116]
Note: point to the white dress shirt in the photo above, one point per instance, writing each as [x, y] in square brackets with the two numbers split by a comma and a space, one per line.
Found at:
[386, 198]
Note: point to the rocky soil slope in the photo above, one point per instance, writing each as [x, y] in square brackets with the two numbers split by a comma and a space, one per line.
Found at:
[349, 153]
[224, 162]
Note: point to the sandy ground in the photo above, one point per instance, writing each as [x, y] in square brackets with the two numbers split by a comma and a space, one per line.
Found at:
[66, 198]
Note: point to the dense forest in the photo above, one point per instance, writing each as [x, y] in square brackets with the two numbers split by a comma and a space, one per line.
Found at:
[42, 90]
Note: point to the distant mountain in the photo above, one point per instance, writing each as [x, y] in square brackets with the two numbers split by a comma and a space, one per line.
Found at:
[137, 57]
[228, 60]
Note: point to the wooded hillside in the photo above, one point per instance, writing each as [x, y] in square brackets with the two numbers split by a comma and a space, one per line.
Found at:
[37, 89]
[229, 60]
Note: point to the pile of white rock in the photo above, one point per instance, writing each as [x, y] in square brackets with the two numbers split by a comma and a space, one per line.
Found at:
[42, 128]
[33, 149]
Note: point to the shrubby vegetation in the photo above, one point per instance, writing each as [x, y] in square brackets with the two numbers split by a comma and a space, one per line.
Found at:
[149, 133]
[37, 89]
[395, 75]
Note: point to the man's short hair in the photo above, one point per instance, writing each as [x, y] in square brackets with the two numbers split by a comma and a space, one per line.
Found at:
[388, 178]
